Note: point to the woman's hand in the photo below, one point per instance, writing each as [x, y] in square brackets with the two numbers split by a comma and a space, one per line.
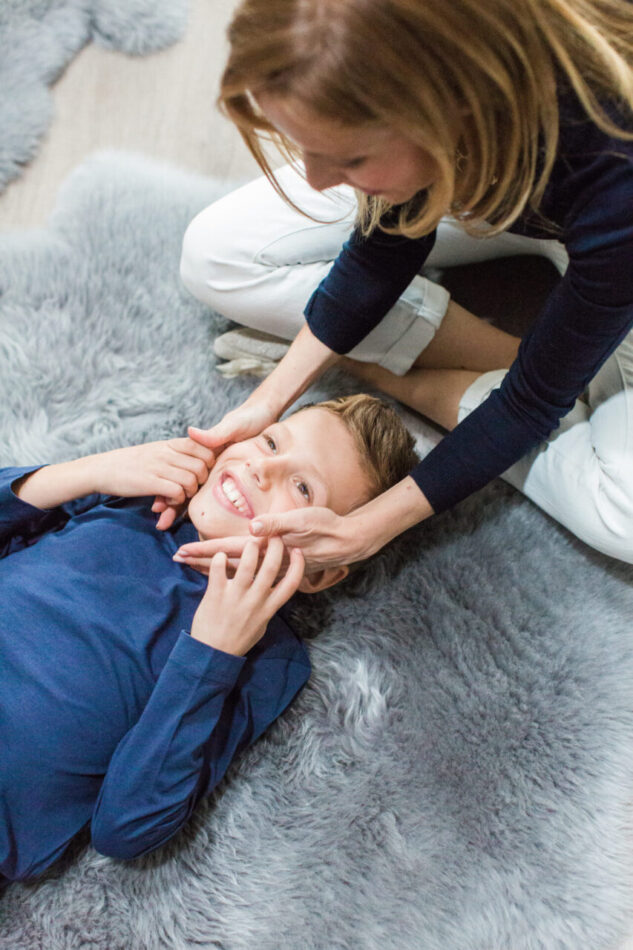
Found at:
[324, 538]
[233, 614]
[242, 423]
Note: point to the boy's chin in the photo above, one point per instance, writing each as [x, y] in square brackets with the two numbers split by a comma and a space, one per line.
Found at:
[217, 532]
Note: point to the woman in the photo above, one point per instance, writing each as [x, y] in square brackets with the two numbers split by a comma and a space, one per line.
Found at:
[515, 120]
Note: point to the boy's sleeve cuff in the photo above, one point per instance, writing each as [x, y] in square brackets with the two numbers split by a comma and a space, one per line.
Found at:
[201, 661]
[8, 478]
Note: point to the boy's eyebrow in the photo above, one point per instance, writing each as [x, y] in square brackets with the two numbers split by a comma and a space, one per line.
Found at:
[288, 437]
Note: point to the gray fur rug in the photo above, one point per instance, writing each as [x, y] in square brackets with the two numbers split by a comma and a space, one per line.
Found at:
[38, 38]
[458, 771]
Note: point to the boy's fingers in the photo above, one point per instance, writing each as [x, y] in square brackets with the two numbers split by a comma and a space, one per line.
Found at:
[172, 493]
[271, 562]
[290, 581]
[196, 451]
[247, 564]
[167, 518]
[217, 570]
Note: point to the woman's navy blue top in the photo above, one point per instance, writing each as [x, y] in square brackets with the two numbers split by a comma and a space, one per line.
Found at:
[110, 712]
[589, 198]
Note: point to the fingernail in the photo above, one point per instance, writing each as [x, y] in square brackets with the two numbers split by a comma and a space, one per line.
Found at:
[256, 527]
[178, 558]
[181, 555]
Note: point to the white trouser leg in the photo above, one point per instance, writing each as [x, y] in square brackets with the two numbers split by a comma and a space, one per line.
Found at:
[454, 246]
[583, 475]
[257, 261]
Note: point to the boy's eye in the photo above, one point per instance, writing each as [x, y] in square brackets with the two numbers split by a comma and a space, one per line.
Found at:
[305, 491]
[270, 442]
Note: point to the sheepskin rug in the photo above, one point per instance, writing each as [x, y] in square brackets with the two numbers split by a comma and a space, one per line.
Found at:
[38, 38]
[457, 774]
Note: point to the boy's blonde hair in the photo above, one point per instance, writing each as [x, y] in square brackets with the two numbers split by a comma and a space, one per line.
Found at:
[474, 82]
[383, 441]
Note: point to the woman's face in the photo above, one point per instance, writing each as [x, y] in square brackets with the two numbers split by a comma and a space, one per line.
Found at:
[376, 160]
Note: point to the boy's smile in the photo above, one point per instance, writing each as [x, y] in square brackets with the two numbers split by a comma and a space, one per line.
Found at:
[230, 492]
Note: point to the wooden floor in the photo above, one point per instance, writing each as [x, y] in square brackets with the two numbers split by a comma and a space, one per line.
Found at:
[161, 105]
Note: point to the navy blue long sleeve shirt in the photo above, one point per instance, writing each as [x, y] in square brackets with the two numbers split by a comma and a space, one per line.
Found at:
[110, 712]
[589, 197]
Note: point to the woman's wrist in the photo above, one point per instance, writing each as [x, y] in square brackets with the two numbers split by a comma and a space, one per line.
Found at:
[385, 517]
[304, 362]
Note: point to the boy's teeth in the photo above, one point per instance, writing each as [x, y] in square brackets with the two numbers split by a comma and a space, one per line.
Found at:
[235, 497]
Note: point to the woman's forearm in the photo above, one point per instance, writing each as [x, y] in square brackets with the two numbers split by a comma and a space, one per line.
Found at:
[304, 362]
[385, 517]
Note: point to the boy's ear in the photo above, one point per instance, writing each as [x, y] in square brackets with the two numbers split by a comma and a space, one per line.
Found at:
[320, 580]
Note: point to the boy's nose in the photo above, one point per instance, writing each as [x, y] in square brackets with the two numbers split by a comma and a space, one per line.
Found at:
[264, 470]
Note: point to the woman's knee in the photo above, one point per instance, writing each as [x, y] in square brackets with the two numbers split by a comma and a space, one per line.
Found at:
[207, 256]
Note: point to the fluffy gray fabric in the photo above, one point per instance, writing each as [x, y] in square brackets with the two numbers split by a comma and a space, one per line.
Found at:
[37, 40]
[457, 773]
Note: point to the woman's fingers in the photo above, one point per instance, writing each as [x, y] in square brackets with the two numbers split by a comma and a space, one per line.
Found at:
[233, 548]
[288, 522]
[213, 438]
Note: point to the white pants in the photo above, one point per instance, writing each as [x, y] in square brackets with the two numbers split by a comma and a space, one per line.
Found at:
[254, 259]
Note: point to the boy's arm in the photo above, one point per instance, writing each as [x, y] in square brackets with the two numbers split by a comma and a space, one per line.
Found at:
[174, 468]
[36, 499]
[21, 523]
[208, 703]
[55, 485]
[206, 707]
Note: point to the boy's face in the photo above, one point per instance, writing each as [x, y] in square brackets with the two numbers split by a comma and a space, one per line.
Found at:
[309, 459]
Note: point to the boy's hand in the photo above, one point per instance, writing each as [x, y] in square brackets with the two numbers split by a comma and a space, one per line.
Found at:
[233, 613]
[173, 469]
[242, 423]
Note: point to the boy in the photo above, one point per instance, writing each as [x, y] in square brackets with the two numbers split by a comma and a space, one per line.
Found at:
[129, 682]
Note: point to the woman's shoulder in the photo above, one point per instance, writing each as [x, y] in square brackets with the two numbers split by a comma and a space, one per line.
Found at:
[579, 134]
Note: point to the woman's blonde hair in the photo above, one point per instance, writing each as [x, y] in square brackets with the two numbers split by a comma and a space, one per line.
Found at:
[474, 82]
